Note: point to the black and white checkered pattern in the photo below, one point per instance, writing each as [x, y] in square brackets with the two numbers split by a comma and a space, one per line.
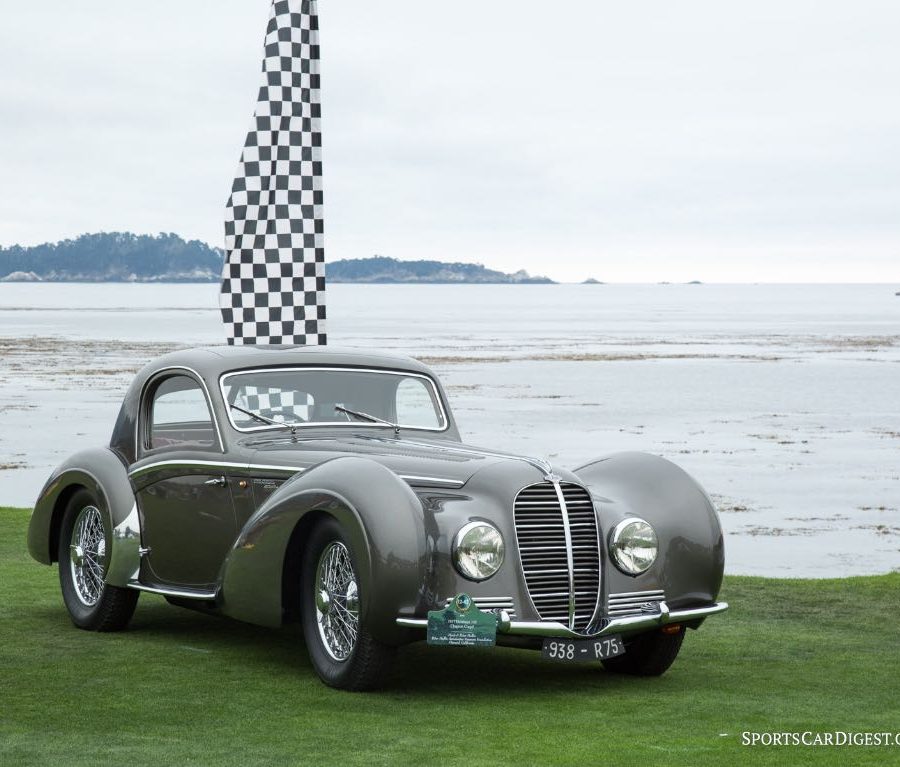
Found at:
[280, 404]
[273, 281]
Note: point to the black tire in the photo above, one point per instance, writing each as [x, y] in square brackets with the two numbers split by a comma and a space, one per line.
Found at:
[108, 608]
[368, 664]
[647, 654]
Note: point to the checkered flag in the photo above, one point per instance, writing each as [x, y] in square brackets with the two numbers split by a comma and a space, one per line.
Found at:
[273, 280]
[279, 404]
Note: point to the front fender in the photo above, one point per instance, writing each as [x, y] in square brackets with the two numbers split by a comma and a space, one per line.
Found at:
[382, 519]
[102, 472]
[691, 545]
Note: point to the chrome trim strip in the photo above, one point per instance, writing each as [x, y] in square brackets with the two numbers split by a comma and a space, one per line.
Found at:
[209, 404]
[615, 626]
[636, 594]
[412, 479]
[434, 390]
[492, 604]
[484, 600]
[273, 467]
[183, 593]
[570, 562]
[616, 601]
[125, 556]
[188, 462]
[600, 572]
[634, 606]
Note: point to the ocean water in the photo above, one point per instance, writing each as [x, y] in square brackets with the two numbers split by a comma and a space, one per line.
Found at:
[783, 400]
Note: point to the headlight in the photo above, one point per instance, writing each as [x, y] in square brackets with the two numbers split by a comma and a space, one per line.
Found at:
[633, 546]
[478, 550]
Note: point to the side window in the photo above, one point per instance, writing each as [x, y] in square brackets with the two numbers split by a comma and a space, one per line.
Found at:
[415, 404]
[179, 416]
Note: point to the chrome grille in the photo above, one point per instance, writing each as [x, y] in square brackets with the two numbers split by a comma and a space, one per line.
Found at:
[634, 602]
[489, 604]
[548, 534]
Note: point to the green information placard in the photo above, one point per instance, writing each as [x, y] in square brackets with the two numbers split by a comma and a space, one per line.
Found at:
[462, 624]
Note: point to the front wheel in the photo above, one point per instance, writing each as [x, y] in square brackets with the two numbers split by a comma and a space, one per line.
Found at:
[341, 650]
[83, 555]
[647, 654]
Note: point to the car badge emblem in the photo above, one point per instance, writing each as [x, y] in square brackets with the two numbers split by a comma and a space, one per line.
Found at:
[463, 602]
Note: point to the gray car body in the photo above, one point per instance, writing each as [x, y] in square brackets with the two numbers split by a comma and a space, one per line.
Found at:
[234, 549]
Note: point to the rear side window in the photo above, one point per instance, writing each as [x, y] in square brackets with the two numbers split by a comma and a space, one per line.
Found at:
[179, 416]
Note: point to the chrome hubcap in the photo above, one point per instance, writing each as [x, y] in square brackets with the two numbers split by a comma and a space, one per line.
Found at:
[77, 556]
[87, 555]
[337, 601]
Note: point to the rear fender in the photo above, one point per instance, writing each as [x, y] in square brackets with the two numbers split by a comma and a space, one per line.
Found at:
[102, 473]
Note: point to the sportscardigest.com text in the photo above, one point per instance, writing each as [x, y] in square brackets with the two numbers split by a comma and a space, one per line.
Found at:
[835, 738]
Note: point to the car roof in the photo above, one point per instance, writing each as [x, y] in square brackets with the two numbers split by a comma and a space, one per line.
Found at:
[211, 361]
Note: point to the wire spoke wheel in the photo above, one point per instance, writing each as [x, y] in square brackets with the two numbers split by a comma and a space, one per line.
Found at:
[87, 555]
[84, 553]
[337, 601]
[338, 634]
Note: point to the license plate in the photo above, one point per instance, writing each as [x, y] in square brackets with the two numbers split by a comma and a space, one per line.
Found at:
[574, 650]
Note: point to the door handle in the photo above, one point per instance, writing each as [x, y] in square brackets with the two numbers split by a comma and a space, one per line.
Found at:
[220, 481]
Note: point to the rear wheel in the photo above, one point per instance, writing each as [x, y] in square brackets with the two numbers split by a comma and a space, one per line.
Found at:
[84, 544]
[647, 654]
[341, 650]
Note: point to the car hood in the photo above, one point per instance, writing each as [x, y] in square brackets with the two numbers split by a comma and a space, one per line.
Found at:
[417, 460]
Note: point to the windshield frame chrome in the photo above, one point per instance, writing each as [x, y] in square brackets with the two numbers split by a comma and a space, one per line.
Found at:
[429, 381]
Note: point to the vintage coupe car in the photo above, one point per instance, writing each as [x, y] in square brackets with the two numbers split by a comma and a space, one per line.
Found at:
[272, 484]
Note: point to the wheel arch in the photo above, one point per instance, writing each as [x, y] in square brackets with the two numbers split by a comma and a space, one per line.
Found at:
[100, 472]
[382, 518]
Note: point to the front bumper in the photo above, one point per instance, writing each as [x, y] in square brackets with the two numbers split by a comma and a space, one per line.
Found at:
[628, 625]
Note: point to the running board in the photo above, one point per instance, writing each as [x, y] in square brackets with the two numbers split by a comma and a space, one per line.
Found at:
[206, 596]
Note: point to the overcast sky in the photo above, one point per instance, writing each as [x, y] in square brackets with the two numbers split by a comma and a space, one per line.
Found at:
[643, 141]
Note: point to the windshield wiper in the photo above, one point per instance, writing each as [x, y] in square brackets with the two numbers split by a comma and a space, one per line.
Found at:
[366, 417]
[264, 419]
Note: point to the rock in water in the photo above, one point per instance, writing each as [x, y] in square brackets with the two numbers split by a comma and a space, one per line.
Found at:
[21, 277]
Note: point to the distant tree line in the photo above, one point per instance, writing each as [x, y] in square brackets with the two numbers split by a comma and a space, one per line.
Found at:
[126, 257]
[383, 269]
[115, 257]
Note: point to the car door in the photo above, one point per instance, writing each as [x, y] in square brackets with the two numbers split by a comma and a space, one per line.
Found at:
[182, 485]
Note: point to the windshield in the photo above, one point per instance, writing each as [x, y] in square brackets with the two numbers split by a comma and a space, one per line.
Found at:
[269, 399]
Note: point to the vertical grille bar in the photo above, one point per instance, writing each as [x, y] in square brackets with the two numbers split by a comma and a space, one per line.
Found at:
[559, 548]
[567, 532]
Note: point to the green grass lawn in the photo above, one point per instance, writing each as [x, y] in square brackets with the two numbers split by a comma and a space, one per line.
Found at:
[183, 688]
